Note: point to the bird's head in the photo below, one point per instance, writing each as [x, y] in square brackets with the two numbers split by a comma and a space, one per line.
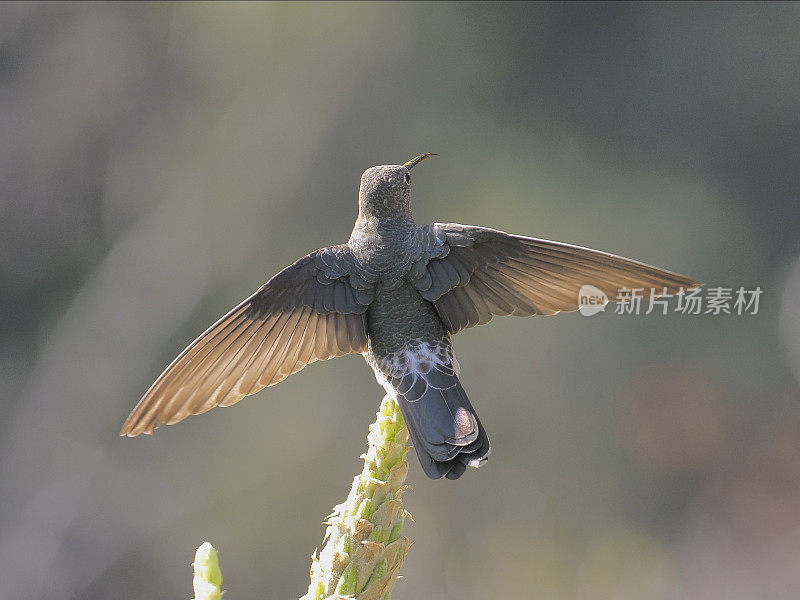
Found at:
[385, 190]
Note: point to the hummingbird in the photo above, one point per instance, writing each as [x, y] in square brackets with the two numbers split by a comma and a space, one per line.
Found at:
[395, 293]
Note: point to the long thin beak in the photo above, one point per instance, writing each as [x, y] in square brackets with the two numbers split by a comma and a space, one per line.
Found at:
[418, 159]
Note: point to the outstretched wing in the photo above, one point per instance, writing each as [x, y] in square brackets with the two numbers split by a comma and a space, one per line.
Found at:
[309, 311]
[473, 273]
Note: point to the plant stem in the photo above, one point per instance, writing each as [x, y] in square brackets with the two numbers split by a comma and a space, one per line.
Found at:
[363, 548]
[207, 574]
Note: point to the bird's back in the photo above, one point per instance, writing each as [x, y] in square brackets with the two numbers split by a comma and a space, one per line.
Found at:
[399, 316]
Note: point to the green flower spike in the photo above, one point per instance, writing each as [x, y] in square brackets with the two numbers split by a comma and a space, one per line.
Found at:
[207, 574]
[363, 550]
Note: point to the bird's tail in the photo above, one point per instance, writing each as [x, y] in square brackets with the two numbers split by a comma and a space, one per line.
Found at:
[446, 432]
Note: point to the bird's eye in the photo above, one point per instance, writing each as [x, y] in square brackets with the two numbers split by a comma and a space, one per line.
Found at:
[407, 177]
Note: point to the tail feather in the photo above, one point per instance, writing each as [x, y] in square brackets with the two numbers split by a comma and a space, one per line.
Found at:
[445, 430]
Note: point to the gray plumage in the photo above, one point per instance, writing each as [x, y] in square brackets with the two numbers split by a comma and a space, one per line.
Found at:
[394, 293]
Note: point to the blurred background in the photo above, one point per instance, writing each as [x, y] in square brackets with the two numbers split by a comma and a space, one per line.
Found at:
[159, 162]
